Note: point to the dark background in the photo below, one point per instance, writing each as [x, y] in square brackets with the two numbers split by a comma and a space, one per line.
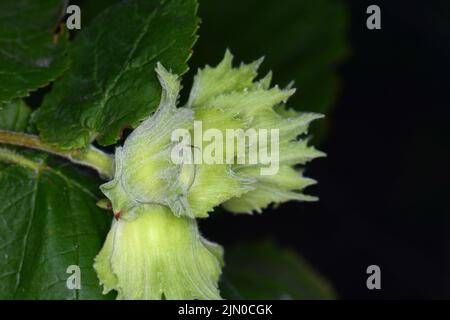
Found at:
[384, 190]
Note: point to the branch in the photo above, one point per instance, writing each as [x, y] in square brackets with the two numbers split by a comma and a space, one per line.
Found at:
[90, 157]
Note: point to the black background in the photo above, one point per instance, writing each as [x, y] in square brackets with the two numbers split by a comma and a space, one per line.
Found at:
[384, 190]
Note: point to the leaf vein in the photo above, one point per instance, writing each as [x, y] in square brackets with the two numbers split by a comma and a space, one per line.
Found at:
[27, 233]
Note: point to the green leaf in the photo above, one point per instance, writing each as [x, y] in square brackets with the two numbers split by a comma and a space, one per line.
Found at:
[302, 41]
[92, 8]
[48, 221]
[112, 83]
[264, 271]
[14, 115]
[29, 56]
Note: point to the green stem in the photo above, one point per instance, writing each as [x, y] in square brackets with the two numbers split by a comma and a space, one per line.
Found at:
[90, 157]
[9, 156]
